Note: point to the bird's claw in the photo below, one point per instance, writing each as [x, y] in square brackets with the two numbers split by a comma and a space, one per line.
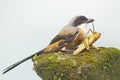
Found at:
[68, 51]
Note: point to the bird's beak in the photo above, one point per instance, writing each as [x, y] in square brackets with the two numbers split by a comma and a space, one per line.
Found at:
[90, 20]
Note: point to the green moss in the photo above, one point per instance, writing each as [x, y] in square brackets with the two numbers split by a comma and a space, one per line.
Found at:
[88, 65]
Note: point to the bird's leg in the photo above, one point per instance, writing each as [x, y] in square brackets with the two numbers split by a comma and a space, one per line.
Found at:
[94, 47]
[66, 50]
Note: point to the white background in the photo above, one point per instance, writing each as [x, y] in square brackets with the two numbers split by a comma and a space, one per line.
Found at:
[27, 26]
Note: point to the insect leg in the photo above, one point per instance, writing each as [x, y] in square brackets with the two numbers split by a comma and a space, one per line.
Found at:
[94, 47]
[86, 43]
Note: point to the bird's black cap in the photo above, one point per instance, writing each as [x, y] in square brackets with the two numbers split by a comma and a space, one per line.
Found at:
[80, 20]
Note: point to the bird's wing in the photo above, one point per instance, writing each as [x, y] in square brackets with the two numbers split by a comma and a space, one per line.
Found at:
[67, 38]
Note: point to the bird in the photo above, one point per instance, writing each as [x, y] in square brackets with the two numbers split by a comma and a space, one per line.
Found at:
[69, 36]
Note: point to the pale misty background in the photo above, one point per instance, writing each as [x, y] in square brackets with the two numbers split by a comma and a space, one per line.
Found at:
[27, 26]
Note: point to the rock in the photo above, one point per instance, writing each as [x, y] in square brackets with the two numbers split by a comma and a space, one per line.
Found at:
[88, 65]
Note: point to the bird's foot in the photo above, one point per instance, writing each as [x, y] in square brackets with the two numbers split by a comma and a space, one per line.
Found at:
[67, 51]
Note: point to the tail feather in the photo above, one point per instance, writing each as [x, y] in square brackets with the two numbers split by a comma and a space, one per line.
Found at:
[19, 62]
[29, 57]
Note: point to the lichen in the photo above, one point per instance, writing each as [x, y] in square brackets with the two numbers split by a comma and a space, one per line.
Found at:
[88, 65]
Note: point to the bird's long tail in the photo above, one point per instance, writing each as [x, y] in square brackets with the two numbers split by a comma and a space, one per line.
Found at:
[19, 62]
[45, 50]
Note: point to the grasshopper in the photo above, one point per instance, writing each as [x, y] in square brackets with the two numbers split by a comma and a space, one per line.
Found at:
[88, 42]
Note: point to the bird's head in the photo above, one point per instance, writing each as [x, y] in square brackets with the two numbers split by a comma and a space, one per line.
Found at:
[79, 20]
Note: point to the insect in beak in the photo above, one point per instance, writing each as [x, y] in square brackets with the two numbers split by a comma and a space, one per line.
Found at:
[88, 41]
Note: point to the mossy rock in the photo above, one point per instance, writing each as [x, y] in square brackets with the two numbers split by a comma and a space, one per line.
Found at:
[88, 65]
